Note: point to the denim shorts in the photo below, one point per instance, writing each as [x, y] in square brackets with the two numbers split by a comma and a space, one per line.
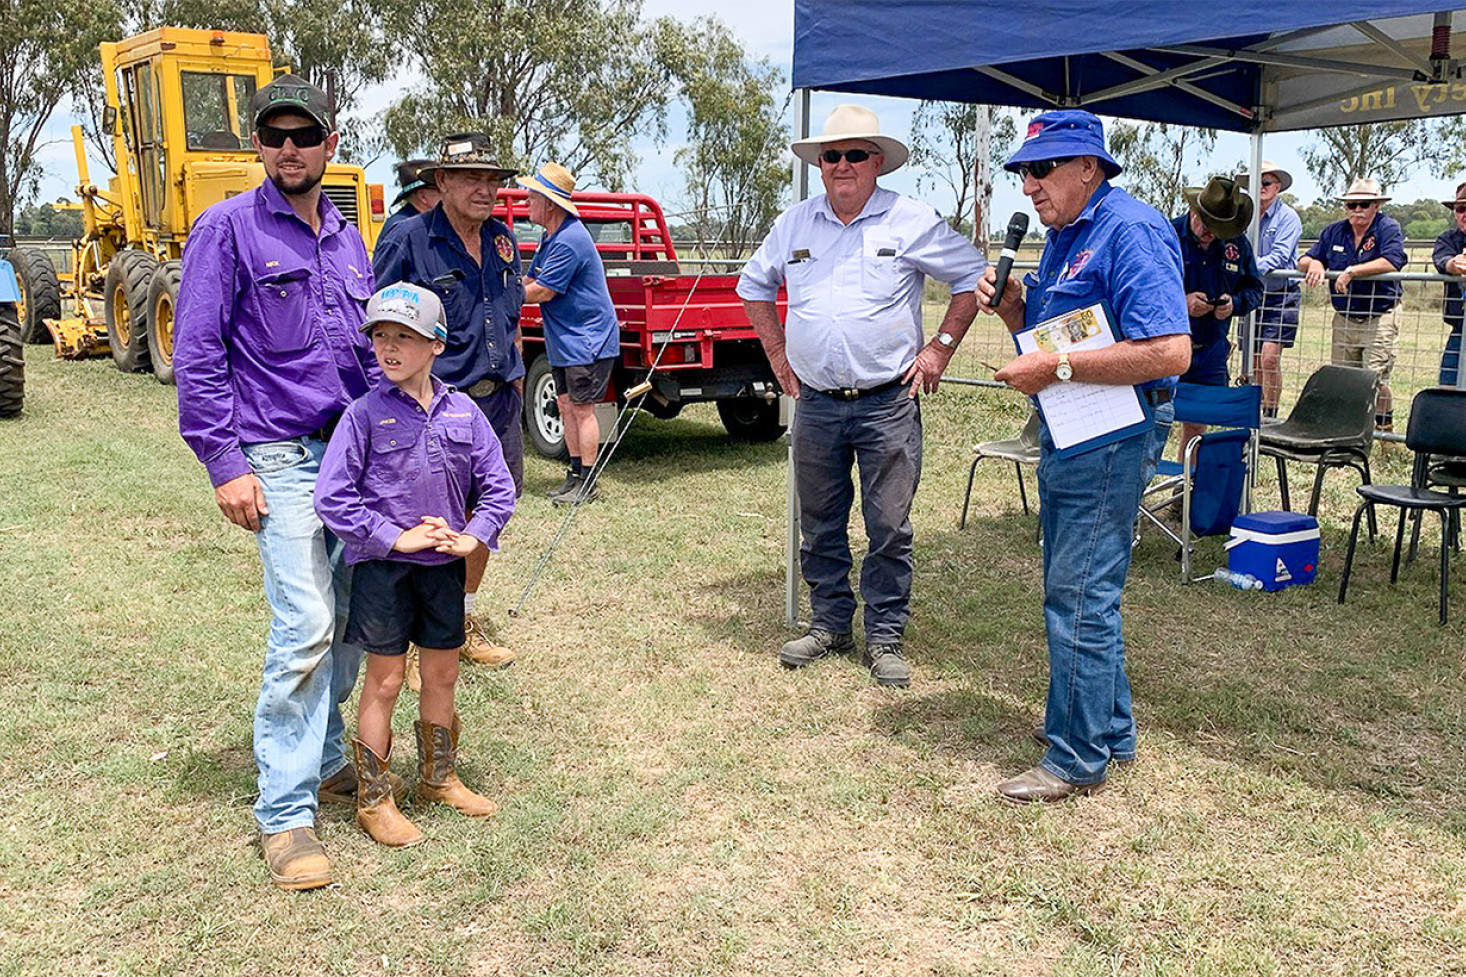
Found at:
[394, 602]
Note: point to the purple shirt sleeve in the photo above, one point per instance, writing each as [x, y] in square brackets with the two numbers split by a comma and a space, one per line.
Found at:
[492, 496]
[338, 497]
[205, 394]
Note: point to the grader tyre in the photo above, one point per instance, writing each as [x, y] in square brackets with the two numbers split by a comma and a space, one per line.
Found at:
[12, 362]
[40, 293]
[162, 302]
[128, 276]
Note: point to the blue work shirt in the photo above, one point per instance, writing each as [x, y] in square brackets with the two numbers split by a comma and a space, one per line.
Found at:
[1227, 267]
[1335, 248]
[855, 289]
[390, 463]
[405, 212]
[481, 301]
[580, 321]
[1448, 246]
[1119, 251]
[1278, 232]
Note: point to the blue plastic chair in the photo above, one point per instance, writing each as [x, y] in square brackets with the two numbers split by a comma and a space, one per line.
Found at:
[1220, 461]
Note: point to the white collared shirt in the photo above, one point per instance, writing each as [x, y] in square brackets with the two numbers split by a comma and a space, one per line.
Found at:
[855, 289]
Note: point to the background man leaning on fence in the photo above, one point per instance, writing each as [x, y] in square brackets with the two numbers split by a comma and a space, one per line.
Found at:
[1449, 257]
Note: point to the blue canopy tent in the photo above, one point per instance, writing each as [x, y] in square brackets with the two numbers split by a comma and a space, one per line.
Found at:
[1244, 66]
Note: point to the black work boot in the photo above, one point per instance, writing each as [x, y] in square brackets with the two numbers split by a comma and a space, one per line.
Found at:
[817, 644]
[581, 491]
[564, 486]
[887, 666]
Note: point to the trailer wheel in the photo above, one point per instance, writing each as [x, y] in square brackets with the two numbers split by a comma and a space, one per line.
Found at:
[661, 411]
[128, 275]
[751, 418]
[162, 300]
[541, 413]
[40, 293]
[12, 362]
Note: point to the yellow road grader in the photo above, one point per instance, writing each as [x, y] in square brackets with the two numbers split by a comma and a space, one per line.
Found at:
[177, 113]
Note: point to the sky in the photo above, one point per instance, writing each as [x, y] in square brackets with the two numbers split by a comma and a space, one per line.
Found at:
[766, 29]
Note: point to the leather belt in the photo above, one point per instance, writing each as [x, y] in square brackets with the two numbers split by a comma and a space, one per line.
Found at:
[855, 393]
[1362, 318]
[484, 388]
[1156, 396]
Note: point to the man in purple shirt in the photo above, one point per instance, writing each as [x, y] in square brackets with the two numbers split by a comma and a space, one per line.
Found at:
[267, 357]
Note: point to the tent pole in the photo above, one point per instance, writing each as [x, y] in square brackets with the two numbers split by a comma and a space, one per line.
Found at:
[1251, 323]
[791, 493]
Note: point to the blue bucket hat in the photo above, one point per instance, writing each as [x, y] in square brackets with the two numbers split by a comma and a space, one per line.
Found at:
[1061, 135]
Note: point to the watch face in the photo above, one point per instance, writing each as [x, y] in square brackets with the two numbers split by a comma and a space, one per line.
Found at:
[1064, 371]
[945, 339]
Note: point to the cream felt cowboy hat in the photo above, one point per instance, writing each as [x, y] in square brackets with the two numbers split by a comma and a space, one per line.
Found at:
[1285, 179]
[1362, 189]
[853, 122]
[554, 182]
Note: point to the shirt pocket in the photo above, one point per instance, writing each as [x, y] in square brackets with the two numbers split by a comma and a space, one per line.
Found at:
[457, 446]
[880, 271]
[284, 299]
[393, 467]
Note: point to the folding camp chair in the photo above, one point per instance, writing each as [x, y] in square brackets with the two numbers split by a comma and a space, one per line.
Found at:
[1219, 462]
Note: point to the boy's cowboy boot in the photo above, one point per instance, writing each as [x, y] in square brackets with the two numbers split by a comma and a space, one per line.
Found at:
[437, 752]
[376, 809]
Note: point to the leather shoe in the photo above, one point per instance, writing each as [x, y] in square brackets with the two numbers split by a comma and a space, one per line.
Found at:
[1038, 735]
[1038, 785]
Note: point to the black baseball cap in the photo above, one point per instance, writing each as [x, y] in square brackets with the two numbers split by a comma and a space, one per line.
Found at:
[291, 93]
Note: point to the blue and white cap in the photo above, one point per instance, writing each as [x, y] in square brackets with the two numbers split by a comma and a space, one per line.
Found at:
[1064, 134]
[419, 309]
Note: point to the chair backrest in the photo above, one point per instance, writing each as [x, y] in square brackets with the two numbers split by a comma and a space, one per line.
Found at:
[1219, 406]
[1437, 422]
[1221, 475]
[1337, 402]
[1028, 437]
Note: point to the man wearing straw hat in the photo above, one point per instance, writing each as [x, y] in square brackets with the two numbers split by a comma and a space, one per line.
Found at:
[1221, 280]
[567, 280]
[471, 260]
[1365, 243]
[1450, 259]
[418, 193]
[1278, 231]
[854, 261]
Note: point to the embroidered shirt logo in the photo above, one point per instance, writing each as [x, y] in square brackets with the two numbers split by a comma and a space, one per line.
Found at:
[1231, 252]
[1076, 264]
[505, 247]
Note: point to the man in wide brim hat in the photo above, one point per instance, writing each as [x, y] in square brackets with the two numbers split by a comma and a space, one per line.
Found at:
[555, 183]
[1278, 231]
[414, 175]
[1449, 258]
[471, 151]
[1221, 205]
[1364, 190]
[1269, 168]
[850, 122]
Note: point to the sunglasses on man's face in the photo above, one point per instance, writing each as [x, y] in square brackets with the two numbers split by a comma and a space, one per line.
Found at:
[1460, 208]
[833, 156]
[1041, 168]
[1358, 204]
[304, 137]
[1270, 183]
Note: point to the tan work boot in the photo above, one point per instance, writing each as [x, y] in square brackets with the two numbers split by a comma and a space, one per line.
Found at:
[479, 650]
[414, 673]
[296, 859]
[376, 808]
[437, 753]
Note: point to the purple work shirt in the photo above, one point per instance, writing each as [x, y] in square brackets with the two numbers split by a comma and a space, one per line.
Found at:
[266, 340]
[390, 463]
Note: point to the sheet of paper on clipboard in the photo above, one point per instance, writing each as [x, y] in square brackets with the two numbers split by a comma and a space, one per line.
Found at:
[1082, 415]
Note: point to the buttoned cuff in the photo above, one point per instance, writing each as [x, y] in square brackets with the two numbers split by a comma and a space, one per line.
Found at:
[227, 466]
[483, 529]
[383, 537]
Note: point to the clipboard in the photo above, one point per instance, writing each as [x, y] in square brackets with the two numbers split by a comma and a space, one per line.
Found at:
[1083, 416]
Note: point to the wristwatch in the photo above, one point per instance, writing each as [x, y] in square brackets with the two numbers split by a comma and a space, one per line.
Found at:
[945, 340]
[1064, 371]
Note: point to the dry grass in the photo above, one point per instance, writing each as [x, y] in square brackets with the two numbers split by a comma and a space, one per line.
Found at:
[676, 804]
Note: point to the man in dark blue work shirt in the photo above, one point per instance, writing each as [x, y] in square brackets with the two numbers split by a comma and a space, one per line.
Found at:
[471, 260]
[1365, 243]
[1221, 280]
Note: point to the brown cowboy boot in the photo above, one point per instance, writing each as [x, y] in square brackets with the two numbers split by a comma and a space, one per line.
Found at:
[376, 809]
[437, 752]
[479, 650]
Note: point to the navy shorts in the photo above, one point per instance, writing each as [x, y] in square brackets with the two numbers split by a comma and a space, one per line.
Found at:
[394, 602]
[1209, 364]
[1277, 321]
[585, 383]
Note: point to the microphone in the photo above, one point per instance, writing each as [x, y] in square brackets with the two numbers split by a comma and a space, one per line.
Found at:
[1017, 227]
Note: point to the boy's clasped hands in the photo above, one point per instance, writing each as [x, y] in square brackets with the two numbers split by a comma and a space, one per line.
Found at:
[434, 533]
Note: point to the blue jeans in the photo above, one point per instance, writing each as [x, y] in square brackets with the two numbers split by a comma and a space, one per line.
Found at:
[1450, 359]
[1088, 507]
[309, 670]
[882, 434]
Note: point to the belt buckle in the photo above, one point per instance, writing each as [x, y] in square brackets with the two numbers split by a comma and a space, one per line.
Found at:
[849, 393]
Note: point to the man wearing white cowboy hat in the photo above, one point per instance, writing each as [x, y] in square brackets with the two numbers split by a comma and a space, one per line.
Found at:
[471, 260]
[854, 261]
[1278, 231]
[567, 280]
[1365, 243]
[1221, 280]
[1449, 257]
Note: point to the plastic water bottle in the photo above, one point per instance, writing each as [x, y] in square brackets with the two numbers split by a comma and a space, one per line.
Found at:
[1242, 581]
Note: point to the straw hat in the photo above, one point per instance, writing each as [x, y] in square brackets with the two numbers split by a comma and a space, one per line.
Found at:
[1222, 206]
[1362, 189]
[853, 122]
[1460, 197]
[554, 182]
[1285, 179]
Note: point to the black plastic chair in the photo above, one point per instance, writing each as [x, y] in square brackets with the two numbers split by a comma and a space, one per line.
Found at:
[1331, 426]
[1437, 427]
[1022, 450]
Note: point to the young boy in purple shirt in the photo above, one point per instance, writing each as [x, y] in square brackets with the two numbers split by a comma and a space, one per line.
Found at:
[406, 461]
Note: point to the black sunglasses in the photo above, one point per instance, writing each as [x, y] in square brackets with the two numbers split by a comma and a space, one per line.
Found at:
[304, 137]
[1041, 168]
[1358, 204]
[1459, 208]
[833, 156]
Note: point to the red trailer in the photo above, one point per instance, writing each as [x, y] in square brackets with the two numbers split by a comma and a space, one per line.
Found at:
[711, 354]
